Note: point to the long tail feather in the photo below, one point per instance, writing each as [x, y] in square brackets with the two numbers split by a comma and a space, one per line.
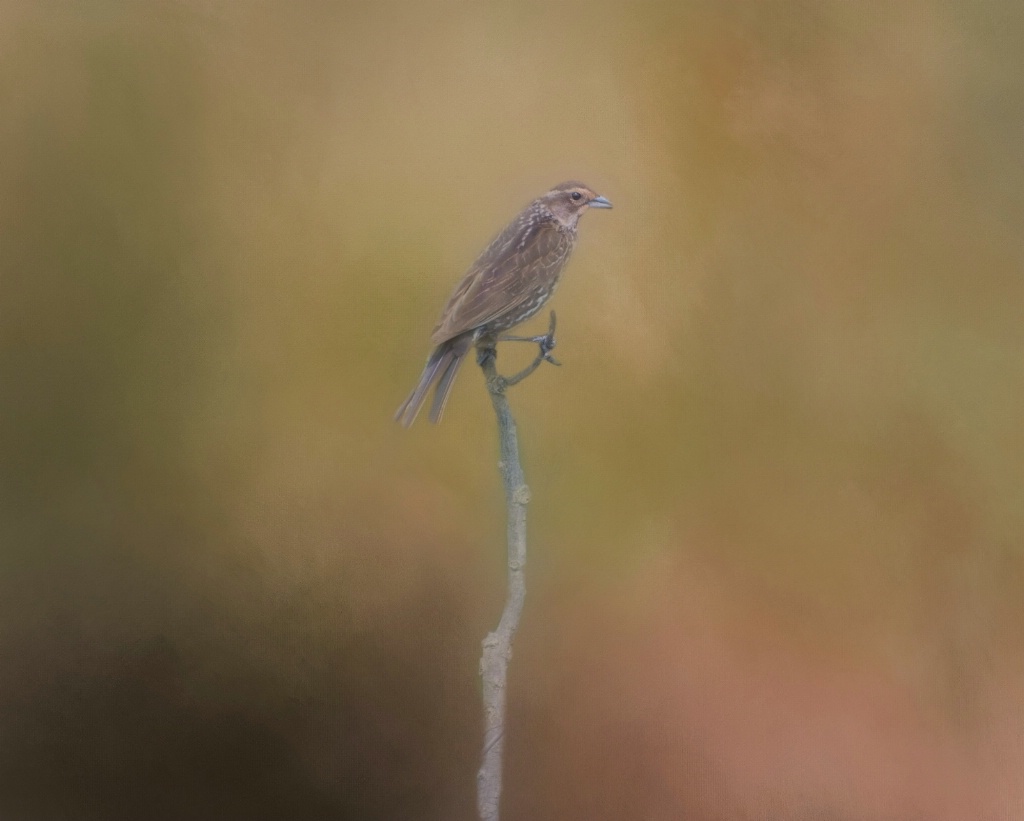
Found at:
[444, 387]
[436, 363]
[442, 366]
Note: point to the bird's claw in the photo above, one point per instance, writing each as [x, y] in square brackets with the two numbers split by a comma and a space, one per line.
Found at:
[547, 345]
[547, 342]
[486, 354]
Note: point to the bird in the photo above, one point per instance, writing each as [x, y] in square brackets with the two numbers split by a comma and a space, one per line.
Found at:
[508, 283]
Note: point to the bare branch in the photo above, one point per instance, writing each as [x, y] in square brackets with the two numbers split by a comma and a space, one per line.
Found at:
[497, 647]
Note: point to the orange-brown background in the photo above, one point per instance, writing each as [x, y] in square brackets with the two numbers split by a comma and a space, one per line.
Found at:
[776, 540]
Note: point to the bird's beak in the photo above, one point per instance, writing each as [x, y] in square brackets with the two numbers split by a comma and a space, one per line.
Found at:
[599, 202]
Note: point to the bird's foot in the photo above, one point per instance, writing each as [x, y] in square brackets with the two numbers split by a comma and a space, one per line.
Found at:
[486, 355]
[545, 344]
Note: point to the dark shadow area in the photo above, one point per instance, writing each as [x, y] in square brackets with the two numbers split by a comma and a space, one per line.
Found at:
[371, 729]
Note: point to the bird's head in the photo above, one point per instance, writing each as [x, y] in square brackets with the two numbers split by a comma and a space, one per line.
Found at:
[569, 200]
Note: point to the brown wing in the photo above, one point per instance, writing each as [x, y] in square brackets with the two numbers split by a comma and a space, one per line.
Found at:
[503, 277]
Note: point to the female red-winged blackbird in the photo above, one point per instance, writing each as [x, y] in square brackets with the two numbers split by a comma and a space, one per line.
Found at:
[510, 281]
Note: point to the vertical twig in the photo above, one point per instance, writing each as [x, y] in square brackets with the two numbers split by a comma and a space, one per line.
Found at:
[497, 647]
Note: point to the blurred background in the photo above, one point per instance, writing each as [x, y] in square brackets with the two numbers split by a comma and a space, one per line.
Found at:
[776, 562]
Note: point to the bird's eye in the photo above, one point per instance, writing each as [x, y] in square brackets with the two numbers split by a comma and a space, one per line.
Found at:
[576, 195]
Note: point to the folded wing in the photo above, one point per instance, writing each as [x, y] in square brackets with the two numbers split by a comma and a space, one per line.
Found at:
[529, 251]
